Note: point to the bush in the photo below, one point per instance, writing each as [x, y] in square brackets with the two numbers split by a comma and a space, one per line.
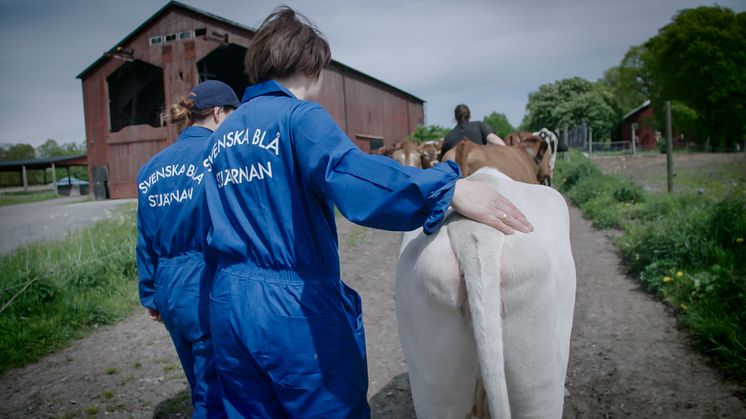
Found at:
[687, 248]
[604, 211]
[626, 191]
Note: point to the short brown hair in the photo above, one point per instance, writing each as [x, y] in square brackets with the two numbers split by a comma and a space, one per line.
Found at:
[286, 43]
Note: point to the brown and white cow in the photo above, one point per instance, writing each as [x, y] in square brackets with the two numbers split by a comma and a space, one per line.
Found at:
[405, 152]
[515, 137]
[484, 319]
[525, 162]
[429, 152]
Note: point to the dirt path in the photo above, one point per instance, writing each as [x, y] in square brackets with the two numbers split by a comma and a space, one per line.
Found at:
[628, 359]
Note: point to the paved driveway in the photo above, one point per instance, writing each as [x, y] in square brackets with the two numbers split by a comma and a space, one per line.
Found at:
[49, 220]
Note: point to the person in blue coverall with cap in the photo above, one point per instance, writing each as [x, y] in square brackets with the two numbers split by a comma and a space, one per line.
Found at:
[172, 222]
[288, 333]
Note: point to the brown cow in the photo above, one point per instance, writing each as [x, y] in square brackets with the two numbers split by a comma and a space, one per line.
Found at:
[526, 162]
[429, 152]
[515, 137]
[405, 152]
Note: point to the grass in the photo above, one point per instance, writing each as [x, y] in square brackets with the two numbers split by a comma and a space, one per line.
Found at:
[178, 406]
[13, 198]
[713, 180]
[51, 293]
[688, 248]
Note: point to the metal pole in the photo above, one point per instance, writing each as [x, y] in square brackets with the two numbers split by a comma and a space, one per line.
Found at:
[669, 147]
[634, 147]
[25, 180]
[590, 141]
[585, 135]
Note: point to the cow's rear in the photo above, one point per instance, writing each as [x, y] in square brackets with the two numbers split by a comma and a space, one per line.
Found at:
[512, 332]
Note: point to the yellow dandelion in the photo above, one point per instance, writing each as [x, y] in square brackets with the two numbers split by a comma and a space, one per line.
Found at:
[739, 240]
[683, 306]
[666, 279]
[679, 274]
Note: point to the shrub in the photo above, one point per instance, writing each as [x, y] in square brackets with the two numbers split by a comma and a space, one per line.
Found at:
[575, 167]
[687, 248]
[626, 191]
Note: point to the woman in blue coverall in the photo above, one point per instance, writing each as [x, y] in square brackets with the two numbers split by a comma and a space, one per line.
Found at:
[288, 333]
[171, 220]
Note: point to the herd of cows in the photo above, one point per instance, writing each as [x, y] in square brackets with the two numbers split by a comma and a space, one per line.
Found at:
[484, 319]
[527, 157]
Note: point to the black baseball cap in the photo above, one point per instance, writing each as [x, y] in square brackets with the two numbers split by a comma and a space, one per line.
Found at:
[213, 93]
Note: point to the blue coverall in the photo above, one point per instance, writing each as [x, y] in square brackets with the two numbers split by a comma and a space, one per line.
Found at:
[174, 277]
[288, 333]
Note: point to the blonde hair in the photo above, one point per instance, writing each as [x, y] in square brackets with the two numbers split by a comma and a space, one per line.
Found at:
[184, 115]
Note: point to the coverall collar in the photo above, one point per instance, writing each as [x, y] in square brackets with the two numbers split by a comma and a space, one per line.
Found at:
[269, 87]
[194, 131]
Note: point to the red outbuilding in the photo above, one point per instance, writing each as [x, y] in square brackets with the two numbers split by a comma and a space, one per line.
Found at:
[642, 121]
[127, 92]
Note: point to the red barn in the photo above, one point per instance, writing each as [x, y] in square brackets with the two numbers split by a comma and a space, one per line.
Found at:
[644, 121]
[127, 92]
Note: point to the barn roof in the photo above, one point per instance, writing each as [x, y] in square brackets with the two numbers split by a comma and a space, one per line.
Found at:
[13, 165]
[178, 5]
[637, 109]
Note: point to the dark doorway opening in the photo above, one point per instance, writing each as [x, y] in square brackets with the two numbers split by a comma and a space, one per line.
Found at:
[225, 64]
[135, 95]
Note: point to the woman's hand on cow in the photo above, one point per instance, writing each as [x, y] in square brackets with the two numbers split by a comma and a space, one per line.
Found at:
[478, 201]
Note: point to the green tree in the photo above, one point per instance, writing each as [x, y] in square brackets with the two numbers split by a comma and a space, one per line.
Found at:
[571, 102]
[629, 82]
[499, 123]
[698, 60]
[17, 152]
[51, 148]
[425, 133]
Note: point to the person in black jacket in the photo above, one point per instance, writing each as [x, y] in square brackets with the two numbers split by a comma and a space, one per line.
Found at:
[476, 131]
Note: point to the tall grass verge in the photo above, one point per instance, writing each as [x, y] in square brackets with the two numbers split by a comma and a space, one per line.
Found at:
[685, 247]
[53, 292]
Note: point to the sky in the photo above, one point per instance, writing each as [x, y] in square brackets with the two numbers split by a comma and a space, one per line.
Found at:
[487, 54]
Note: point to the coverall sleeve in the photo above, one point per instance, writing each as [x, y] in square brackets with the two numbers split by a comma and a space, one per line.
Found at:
[369, 190]
[146, 264]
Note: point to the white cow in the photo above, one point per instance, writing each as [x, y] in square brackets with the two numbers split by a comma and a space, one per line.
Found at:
[484, 319]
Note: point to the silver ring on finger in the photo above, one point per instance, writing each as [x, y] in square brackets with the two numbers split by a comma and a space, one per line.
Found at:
[504, 217]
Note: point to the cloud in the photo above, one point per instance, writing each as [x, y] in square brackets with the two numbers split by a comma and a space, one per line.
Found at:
[488, 54]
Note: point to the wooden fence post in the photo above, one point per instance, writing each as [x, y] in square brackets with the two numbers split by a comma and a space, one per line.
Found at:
[669, 147]
[25, 178]
[54, 180]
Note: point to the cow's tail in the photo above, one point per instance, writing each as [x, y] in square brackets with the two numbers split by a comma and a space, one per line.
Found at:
[478, 249]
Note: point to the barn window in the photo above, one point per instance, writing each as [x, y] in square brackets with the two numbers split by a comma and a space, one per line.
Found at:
[170, 37]
[135, 95]
[225, 63]
[186, 35]
[155, 40]
[200, 32]
[374, 142]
